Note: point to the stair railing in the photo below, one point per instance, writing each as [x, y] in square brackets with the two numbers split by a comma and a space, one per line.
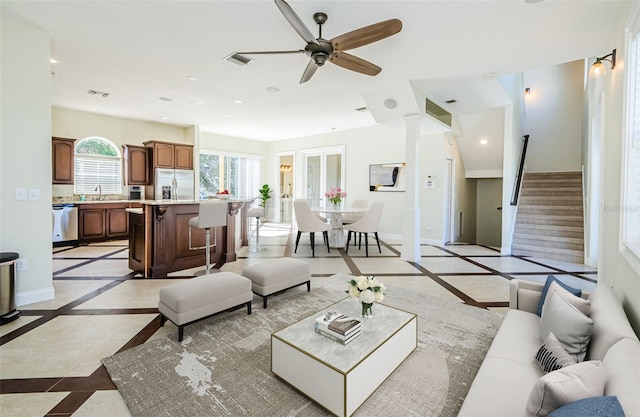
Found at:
[518, 185]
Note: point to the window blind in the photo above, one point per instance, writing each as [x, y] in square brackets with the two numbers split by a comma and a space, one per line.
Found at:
[93, 170]
[631, 189]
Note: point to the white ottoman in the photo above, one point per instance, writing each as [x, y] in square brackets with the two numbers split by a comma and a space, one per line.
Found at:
[198, 298]
[275, 275]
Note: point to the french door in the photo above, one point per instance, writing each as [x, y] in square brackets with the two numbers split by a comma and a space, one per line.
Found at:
[324, 168]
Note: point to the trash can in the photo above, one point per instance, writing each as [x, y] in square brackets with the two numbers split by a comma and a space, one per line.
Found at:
[8, 263]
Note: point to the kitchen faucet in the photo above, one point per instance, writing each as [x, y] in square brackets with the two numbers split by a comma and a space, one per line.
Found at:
[99, 190]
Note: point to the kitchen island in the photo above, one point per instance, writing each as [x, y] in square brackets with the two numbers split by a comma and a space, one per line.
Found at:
[159, 236]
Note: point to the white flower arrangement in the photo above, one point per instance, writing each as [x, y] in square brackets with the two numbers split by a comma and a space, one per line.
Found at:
[368, 290]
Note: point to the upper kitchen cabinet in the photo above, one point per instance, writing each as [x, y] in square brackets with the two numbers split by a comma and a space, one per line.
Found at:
[183, 156]
[136, 164]
[170, 155]
[62, 151]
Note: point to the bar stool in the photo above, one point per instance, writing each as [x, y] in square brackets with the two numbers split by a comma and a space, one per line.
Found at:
[256, 212]
[209, 215]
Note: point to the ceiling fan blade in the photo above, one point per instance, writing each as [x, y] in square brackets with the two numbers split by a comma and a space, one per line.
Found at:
[295, 21]
[297, 51]
[309, 71]
[366, 35]
[354, 63]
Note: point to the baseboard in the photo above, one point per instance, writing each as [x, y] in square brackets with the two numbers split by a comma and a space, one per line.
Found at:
[505, 250]
[433, 242]
[35, 296]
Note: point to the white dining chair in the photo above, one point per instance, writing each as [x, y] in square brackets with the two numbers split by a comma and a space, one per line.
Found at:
[308, 222]
[370, 223]
[358, 203]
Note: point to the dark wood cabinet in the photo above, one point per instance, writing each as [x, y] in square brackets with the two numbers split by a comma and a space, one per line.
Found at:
[91, 224]
[62, 151]
[136, 164]
[170, 155]
[102, 222]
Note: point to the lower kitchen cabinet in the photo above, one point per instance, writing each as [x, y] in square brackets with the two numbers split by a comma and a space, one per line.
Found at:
[102, 222]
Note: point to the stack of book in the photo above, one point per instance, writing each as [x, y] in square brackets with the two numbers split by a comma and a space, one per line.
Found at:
[338, 327]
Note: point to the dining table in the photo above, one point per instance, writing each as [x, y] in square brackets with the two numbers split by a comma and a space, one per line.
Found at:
[334, 214]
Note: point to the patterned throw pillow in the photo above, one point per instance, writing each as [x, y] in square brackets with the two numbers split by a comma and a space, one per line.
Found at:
[551, 356]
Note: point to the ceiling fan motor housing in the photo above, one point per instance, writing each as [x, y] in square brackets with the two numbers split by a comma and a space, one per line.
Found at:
[319, 52]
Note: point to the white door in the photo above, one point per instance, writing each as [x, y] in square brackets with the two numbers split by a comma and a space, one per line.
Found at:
[448, 201]
[324, 168]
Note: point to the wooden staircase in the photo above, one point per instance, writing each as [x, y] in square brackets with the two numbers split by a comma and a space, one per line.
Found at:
[549, 221]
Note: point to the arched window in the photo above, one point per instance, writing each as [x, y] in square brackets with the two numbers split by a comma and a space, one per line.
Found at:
[97, 162]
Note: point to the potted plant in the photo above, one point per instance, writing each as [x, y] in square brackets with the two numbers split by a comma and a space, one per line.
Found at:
[265, 194]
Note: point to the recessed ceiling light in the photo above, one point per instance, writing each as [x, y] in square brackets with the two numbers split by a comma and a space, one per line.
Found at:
[237, 101]
[489, 75]
[163, 117]
[53, 61]
[227, 115]
[483, 141]
[192, 78]
[165, 99]
[273, 89]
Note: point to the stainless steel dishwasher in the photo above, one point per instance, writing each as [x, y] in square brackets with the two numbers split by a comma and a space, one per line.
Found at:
[65, 222]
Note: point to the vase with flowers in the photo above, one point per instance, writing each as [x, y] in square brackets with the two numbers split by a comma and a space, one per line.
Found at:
[335, 196]
[367, 290]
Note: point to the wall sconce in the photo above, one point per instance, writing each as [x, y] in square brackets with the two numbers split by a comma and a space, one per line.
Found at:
[285, 168]
[527, 93]
[598, 69]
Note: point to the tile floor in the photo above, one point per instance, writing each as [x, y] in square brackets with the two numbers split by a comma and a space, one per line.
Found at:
[50, 357]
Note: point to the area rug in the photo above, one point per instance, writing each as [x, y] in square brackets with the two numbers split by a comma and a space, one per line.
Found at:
[223, 366]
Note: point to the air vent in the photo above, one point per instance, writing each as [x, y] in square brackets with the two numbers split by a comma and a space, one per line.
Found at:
[361, 109]
[99, 93]
[451, 101]
[238, 58]
[437, 112]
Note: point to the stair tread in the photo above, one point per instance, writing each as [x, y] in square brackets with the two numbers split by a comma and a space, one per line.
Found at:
[548, 227]
[547, 238]
[542, 249]
[569, 217]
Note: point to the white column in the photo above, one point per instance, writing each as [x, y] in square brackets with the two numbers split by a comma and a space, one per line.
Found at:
[411, 212]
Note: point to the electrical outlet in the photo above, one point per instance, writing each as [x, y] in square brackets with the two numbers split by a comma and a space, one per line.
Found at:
[22, 264]
[34, 194]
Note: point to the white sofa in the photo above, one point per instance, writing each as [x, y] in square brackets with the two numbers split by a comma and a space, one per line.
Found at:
[508, 373]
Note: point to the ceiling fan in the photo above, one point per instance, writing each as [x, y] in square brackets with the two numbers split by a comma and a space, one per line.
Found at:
[321, 50]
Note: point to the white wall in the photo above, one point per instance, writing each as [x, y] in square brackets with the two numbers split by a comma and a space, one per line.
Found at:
[554, 117]
[513, 132]
[613, 268]
[370, 145]
[76, 124]
[465, 195]
[25, 155]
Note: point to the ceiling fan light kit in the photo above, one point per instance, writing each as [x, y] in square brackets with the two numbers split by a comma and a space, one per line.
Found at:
[321, 50]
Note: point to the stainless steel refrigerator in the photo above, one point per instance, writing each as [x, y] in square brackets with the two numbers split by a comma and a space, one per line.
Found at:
[173, 184]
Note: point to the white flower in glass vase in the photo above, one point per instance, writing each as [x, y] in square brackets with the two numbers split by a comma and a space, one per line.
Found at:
[367, 290]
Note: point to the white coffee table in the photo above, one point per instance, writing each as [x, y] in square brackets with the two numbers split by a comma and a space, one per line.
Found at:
[339, 377]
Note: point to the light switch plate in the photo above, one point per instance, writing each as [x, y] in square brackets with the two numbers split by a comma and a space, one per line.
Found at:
[34, 194]
[21, 193]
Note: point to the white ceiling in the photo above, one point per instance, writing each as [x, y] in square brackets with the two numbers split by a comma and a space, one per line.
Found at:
[139, 51]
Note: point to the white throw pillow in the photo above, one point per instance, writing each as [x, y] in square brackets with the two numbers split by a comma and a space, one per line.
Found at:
[580, 303]
[564, 386]
[571, 327]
